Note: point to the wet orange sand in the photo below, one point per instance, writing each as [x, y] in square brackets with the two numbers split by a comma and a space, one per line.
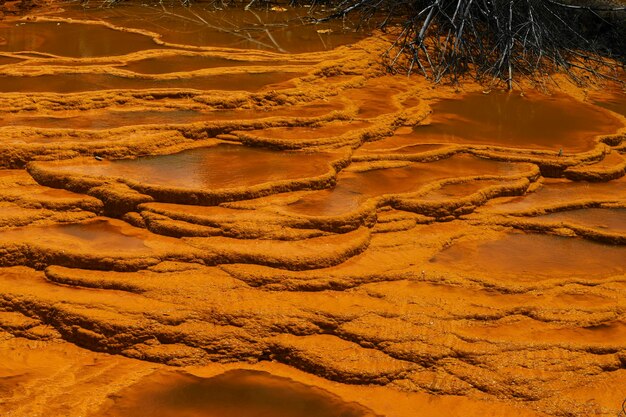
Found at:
[266, 214]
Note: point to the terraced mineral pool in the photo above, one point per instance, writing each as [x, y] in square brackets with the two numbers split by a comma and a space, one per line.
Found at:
[509, 120]
[528, 257]
[404, 150]
[222, 166]
[562, 192]
[237, 393]
[108, 119]
[275, 30]
[72, 83]
[332, 129]
[96, 236]
[607, 219]
[184, 63]
[76, 40]
[354, 188]
[400, 143]
[450, 191]
[376, 97]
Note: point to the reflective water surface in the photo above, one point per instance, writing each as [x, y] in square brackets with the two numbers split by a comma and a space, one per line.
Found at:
[71, 83]
[220, 166]
[74, 40]
[97, 236]
[236, 393]
[510, 120]
[353, 188]
[210, 25]
[536, 256]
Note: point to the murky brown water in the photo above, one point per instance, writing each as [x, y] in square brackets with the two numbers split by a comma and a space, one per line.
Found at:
[183, 63]
[86, 40]
[503, 119]
[460, 189]
[5, 60]
[205, 25]
[612, 220]
[536, 256]
[237, 393]
[354, 188]
[100, 236]
[560, 192]
[614, 100]
[222, 166]
[107, 119]
[71, 83]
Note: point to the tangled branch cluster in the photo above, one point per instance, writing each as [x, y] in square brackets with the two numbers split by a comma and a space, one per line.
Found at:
[497, 39]
[493, 40]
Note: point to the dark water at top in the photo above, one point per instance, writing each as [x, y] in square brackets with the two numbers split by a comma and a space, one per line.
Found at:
[207, 24]
[615, 100]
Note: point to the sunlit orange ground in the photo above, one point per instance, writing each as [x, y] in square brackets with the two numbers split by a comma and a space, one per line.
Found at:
[280, 204]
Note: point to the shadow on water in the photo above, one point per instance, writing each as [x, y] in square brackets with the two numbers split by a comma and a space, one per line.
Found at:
[236, 393]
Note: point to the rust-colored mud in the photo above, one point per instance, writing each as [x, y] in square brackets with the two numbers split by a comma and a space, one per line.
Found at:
[191, 214]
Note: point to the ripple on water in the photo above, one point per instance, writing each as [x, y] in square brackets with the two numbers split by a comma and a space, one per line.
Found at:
[236, 393]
